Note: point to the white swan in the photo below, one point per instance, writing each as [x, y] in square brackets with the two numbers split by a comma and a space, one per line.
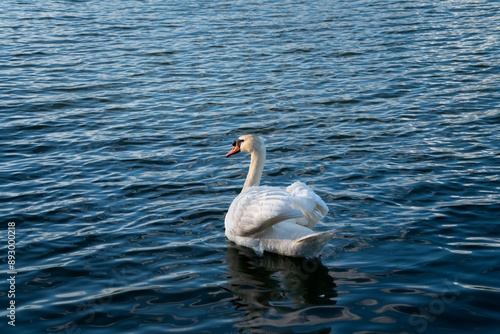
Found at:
[274, 219]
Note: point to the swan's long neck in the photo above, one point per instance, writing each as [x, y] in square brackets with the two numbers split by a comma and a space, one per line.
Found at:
[257, 159]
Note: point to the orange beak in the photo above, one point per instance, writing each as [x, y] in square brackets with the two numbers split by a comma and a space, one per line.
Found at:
[236, 149]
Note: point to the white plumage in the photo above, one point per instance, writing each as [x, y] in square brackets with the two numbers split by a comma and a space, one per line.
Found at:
[274, 219]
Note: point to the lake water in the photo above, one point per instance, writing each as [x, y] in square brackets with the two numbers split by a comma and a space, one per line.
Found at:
[115, 120]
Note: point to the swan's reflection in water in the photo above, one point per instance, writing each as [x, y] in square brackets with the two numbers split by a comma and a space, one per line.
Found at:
[277, 292]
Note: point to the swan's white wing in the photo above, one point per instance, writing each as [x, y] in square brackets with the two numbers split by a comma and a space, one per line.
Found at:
[258, 208]
[311, 205]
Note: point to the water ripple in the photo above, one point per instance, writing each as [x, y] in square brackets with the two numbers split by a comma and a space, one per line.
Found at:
[117, 116]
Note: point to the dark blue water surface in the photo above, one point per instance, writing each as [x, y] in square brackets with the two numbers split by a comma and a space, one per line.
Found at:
[115, 119]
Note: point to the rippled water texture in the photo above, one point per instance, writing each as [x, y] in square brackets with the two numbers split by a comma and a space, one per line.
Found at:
[115, 119]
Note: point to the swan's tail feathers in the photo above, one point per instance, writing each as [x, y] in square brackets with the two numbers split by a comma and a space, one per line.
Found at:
[313, 244]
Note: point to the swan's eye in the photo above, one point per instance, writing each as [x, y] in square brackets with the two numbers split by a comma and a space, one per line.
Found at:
[237, 142]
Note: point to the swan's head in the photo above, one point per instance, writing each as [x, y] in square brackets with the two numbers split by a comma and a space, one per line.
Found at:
[248, 144]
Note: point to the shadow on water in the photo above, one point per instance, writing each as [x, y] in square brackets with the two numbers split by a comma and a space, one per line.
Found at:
[274, 291]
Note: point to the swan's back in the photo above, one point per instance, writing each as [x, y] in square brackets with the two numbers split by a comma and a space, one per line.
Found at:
[258, 208]
[278, 220]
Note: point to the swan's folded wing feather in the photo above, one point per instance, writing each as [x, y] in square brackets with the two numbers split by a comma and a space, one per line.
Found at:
[311, 205]
[258, 208]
